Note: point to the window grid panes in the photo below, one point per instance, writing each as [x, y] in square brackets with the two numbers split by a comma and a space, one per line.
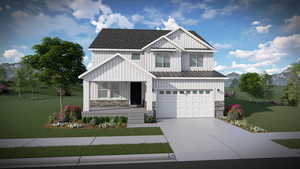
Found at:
[196, 60]
[135, 56]
[162, 60]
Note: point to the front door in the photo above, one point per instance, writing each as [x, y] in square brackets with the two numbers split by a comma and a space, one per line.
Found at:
[136, 93]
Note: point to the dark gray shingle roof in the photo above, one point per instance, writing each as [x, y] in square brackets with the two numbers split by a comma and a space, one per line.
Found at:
[189, 74]
[129, 38]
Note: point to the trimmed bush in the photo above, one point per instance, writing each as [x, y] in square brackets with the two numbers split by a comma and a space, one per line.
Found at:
[74, 111]
[235, 112]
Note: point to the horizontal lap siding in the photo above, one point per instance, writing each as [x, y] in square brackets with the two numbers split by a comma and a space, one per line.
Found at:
[192, 84]
[118, 69]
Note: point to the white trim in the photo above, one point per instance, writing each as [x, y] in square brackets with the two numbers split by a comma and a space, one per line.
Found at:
[108, 59]
[196, 38]
[120, 50]
[165, 37]
[201, 50]
[208, 78]
[163, 50]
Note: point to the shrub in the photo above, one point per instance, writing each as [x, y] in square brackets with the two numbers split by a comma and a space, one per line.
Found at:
[235, 112]
[3, 89]
[74, 111]
[62, 117]
[124, 119]
[150, 119]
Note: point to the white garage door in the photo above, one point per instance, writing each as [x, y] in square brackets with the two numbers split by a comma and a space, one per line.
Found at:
[185, 103]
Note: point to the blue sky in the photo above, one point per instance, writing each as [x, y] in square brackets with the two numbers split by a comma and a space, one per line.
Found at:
[250, 35]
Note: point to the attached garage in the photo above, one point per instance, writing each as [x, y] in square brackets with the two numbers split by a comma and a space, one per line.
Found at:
[185, 103]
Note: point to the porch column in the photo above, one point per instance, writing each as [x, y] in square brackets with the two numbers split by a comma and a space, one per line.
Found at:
[149, 95]
[86, 95]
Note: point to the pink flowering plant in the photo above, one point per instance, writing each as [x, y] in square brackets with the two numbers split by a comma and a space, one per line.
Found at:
[234, 112]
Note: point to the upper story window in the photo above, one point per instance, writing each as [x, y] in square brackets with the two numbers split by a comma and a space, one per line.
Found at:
[135, 56]
[108, 90]
[196, 60]
[162, 59]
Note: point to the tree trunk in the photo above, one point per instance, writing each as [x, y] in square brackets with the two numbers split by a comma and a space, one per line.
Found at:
[19, 92]
[60, 99]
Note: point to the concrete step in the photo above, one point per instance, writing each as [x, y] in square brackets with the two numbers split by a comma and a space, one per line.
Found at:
[135, 121]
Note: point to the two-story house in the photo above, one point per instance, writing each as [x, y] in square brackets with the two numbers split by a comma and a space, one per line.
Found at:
[168, 72]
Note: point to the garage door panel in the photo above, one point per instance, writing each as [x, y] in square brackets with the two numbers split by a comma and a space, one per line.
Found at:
[190, 104]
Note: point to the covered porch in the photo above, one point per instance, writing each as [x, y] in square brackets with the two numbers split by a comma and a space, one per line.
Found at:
[117, 87]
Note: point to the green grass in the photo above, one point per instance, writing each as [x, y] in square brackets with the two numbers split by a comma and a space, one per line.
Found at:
[25, 117]
[268, 116]
[61, 151]
[290, 143]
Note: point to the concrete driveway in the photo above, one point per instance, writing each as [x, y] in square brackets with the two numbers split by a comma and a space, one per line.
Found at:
[211, 139]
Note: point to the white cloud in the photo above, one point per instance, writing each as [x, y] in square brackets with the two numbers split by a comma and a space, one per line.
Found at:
[263, 29]
[272, 70]
[13, 54]
[218, 67]
[222, 45]
[255, 23]
[36, 25]
[279, 47]
[83, 9]
[89, 66]
[170, 24]
[109, 18]
[292, 24]
[105, 21]
[209, 13]
[153, 17]
[137, 17]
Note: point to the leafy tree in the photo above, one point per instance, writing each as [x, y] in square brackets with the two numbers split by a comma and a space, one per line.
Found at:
[59, 63]
[2, 75]
[31, 78]
[20, 80]
[251, 83]
[290, 93]
[266, 81]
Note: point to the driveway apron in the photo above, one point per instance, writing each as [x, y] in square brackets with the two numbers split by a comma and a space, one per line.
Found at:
[211, 139]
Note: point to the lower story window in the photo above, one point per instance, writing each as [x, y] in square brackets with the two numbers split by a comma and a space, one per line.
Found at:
[108, 89]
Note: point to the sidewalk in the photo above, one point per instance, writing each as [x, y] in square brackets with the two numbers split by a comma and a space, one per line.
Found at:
[86, 160]
[82, 141]
[280, 135]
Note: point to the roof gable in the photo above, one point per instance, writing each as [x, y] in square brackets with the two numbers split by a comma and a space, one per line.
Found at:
[116, 65]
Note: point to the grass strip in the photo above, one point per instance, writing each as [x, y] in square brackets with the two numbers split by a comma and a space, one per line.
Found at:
[290, 143]
[61, 151]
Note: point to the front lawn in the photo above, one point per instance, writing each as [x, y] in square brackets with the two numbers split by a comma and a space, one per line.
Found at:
[290, 143]
[268, 116]
[61, 151]
[25, 117]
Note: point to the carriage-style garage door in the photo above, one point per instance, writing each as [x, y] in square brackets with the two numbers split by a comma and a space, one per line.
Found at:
[185, 103]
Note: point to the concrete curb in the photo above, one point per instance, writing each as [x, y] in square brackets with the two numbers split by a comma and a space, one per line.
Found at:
[86, 160]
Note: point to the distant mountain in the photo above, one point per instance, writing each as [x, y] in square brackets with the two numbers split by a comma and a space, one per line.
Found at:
[279, 79]
[231, 76]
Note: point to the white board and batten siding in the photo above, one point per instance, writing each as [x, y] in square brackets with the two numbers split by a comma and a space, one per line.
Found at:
[99, 56]
[117, 69]
[184, 40]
